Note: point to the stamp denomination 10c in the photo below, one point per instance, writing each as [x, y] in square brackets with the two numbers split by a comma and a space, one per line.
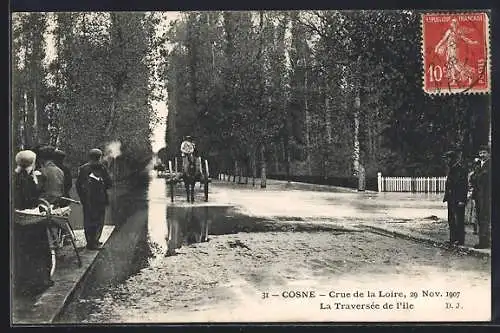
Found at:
[455, 53]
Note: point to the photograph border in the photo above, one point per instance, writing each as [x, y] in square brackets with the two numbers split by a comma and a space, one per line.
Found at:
[80, 5]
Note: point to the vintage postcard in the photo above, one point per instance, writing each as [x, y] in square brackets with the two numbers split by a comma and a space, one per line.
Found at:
[251, 166]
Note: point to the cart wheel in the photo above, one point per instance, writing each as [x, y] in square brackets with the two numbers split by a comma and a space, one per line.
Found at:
[53, 262]
[206, 190]
[171, 191]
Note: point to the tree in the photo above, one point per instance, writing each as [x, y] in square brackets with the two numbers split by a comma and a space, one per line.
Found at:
[28, 75]
[315, 92]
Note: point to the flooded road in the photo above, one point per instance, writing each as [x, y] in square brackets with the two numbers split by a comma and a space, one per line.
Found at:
[213, 261]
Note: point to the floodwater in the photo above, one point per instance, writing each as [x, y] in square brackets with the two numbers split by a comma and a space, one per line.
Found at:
[212, 261]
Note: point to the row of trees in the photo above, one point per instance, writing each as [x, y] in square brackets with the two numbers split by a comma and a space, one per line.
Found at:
[90, 86]
[312, 93]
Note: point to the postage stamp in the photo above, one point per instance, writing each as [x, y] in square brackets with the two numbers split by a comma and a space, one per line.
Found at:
[455, 52]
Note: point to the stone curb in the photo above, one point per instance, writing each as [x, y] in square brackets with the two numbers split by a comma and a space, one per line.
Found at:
[52, 302]
[428, 240]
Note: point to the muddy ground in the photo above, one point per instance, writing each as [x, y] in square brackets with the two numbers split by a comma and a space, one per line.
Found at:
[223, 279]
[284, 240]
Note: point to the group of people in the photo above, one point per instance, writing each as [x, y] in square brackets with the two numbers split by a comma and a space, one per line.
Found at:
[41, 173]
[469, 183]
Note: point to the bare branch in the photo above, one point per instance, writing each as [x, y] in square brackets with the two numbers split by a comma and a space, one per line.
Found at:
[312, 27]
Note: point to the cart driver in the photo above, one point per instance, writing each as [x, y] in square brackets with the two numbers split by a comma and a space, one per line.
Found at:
[187, 146]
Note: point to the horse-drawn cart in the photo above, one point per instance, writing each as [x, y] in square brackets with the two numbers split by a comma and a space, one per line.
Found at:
[189, 179]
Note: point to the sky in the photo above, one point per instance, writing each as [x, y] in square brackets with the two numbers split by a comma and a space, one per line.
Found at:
[158, 138]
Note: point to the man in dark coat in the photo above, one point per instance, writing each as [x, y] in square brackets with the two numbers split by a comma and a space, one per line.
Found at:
[59, 156]
[456, 196]
[92, 184]
[483, 198]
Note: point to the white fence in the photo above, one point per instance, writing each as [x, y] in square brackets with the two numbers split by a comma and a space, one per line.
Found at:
[411, 184]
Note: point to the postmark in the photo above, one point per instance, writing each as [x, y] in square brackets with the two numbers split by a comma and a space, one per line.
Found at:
[455, 52]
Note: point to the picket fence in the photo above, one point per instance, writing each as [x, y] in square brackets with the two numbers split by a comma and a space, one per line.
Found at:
[411, 184]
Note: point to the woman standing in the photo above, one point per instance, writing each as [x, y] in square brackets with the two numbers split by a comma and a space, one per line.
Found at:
[31, 248]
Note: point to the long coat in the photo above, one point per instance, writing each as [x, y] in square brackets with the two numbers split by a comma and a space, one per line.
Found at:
[456, 184]
[26, 191]
[483, 191]
[85, 193]
[52, 187]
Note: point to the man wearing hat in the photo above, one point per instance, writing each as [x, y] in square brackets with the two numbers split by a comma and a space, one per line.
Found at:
[52, 186]
[92, 184]
[483, 198]
[456, 195]
[59, 156]
[187, 146]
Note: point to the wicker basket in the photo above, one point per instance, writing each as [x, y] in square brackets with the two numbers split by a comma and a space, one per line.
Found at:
[28, 219]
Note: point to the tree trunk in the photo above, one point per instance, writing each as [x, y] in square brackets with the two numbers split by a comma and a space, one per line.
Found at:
[246, 170]
[24, 124]
[107, 130]
[263, 180]
[254, 167]
[35, 114]
[328, 125]
[288, 161]
[357, 107]
[276, 159]
[239, 173]
[308, 121]
[235, 170]
[356, 136]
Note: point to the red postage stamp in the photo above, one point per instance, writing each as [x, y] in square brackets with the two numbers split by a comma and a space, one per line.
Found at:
[456, 53]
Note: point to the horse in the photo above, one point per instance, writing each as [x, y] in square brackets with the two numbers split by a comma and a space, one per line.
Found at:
[160, 169]
[190, 175]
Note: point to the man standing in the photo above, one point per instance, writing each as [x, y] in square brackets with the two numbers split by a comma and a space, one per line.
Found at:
[472, 194]
[59, 156]
[52, 179]
[483, 199]
[92, 184]
[456, 196]
[187, 147]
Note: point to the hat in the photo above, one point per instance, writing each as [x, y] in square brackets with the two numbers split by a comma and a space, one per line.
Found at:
[449, 153]
[95, 153]
[453, 150]
[46, 152]
[484, 147]
[59, 153]
[25, 158]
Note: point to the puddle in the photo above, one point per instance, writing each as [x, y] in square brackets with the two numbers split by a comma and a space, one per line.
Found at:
[150, 228]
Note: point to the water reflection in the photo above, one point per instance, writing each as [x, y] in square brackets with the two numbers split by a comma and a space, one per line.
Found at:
[172, 225]
[186, 225]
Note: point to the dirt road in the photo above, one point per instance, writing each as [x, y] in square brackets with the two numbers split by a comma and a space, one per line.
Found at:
[225, 278]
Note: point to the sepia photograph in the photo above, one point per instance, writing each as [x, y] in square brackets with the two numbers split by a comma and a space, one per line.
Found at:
[250, 166]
